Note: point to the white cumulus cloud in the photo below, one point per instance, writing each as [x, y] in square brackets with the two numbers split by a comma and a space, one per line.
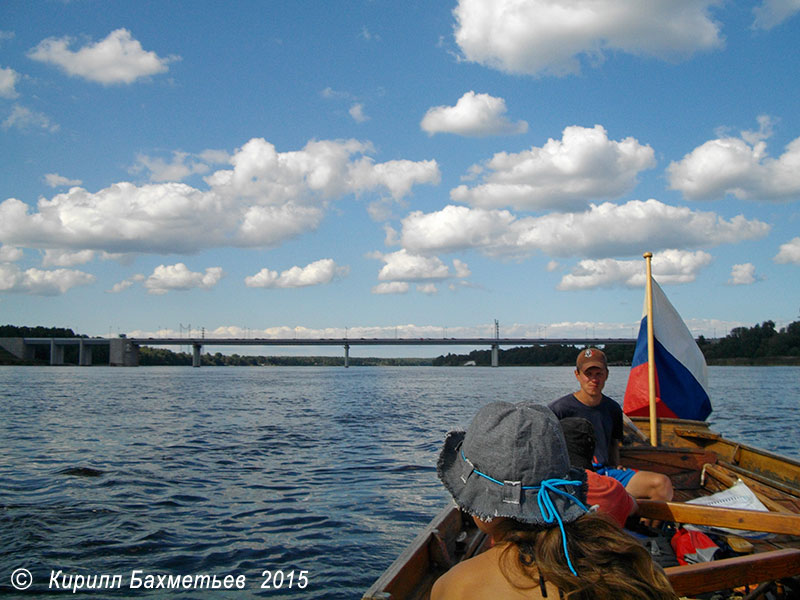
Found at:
[669, 266]
[120, 287]
[333, 94]
[179, 168]
[318, 272]
[771, 13]
[561, 175]
[9, 253]
[474, 115]
[457, 228]
[739, 166]
[551, 37]
[789, 252]
[391, 287]
[166, 278]
[63, 258]
[603, 230]
[126, 283]
[429, 289]
[743, 274]
[8, 82]
[118, 58]
[40, 282]
[24, 118]
[357, 112]
[405, 266]
[55, 180]
[321, 170]
[267, 198]
[461, 269]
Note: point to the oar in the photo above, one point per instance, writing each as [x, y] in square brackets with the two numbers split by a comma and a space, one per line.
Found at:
[633, 428]
[714, 516]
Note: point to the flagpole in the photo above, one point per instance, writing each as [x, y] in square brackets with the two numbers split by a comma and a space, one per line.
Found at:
[651, 361]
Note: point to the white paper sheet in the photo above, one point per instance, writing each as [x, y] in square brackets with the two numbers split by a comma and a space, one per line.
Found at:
[736, 496]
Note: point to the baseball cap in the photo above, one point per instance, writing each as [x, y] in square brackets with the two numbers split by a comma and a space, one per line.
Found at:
[591, 357]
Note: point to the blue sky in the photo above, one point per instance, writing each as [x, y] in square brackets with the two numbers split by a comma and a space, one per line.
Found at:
[397, 168]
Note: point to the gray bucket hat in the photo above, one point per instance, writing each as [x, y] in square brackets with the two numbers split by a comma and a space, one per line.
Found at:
[510, 458]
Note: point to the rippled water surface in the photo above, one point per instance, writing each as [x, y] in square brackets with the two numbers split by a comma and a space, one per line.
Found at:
[234, 471]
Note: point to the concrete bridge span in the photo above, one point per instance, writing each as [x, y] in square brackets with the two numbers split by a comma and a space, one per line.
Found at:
[124, 351]
[121, 351]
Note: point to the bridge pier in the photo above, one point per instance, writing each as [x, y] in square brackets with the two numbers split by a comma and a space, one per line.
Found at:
[56, 353]
[84, 354]
[123, 353]
[196, 348]
[346, 356]
[495, 355]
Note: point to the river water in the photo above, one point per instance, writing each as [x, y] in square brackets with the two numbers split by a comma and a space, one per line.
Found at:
[311, 478]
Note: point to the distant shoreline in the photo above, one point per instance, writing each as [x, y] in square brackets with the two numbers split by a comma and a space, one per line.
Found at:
[760, 345]
[773, 361]
[329, 361]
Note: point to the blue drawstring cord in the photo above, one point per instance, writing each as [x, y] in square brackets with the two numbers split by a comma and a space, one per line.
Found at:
[546, 506]
[550, 512]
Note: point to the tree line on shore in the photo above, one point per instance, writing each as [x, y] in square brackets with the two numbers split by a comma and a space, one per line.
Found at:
[149, 356]
[760, 344]
[162, 356]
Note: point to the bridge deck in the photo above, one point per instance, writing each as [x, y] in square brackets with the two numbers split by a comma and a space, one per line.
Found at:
[124, 351]
[376, 341]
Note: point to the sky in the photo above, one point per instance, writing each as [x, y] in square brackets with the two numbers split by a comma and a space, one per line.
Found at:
[397, 169]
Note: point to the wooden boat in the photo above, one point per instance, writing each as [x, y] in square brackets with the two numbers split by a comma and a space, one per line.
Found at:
[699, 462]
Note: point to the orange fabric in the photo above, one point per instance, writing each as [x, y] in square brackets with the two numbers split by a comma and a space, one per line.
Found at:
[609, 495]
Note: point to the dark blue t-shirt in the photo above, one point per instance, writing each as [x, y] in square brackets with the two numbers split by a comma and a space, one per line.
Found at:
[606, 418]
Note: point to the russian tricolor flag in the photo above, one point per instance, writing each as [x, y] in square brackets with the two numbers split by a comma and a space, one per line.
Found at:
[681, 373]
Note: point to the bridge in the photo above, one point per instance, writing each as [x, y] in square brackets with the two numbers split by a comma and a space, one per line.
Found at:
[124, 351]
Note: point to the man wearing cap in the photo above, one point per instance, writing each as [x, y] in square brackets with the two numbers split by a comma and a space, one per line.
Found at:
[605, 415]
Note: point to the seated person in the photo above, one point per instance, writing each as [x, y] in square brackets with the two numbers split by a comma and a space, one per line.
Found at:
[606, 493]
[510, 471]
[605, 415]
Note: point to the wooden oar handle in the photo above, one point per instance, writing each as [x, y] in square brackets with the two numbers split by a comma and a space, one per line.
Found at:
[714, 516]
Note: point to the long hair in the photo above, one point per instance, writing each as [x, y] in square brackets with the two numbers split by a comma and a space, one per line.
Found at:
[610, 564]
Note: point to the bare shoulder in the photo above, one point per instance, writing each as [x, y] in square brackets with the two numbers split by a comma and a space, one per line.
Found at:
[479, 578]
[460, 581]
[448, 585]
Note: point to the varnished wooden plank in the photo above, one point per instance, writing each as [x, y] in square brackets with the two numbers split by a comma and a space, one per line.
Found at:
[693, 433]
[697, 514]
[768, 496]
[696, 434]
[772, 483]
[733, 572]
